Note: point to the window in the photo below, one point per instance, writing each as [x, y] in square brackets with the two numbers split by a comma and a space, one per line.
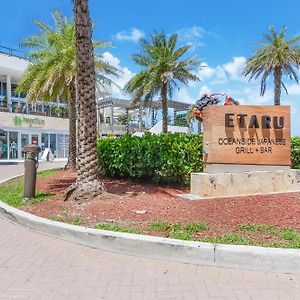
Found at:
[3, 145]
[13, 145]
[53, 144]
[24, 141]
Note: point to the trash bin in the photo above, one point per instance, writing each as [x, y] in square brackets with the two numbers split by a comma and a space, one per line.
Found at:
[31, 165]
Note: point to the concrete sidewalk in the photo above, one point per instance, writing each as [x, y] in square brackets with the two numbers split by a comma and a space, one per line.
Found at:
[10, 169]
[34, 266]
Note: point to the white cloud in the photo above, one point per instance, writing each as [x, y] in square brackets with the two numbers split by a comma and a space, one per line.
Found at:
[235, 68]
[222, 73]
[133, 35]
[192, 36]
[293, 89]
[183, 96]
[109, 58]
[212, 75]
[251, 96]
[205, 71]
[204, 90]
[124, 78]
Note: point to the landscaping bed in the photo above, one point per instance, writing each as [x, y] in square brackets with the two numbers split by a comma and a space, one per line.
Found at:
[131, 206]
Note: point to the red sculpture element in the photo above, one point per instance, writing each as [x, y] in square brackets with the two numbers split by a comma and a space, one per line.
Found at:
[210, 99]
[231, 101]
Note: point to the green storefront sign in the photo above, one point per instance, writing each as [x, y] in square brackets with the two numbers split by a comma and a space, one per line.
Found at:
[29, 121]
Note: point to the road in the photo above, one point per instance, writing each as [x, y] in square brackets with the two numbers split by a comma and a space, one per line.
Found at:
[36, 266]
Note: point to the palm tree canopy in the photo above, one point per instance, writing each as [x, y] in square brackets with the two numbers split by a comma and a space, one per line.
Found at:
[53, 62]
[274, 53]
[161, 64]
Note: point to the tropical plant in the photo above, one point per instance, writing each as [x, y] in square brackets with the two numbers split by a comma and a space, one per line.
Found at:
[87, 184]
[276, 56]
[180, 120]
[52, 73]
[124, 118]
[162, 71]
[191, 117]
[4, 102]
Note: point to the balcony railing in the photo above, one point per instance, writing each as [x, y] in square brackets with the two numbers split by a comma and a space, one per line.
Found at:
[13, 52]
[19, 105]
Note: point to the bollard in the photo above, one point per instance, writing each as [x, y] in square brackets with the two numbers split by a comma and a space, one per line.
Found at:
[30, 164]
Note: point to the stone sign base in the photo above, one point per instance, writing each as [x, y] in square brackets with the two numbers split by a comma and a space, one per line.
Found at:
[245, 183]
[230, 168]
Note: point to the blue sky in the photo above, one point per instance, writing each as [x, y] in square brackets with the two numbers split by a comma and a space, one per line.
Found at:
[221, 33]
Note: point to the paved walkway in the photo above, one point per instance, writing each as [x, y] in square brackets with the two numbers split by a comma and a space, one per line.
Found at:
[35, 266]
[10, 169]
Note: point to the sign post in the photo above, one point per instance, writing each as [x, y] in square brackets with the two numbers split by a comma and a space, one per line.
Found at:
[245, 146]
[247, 135]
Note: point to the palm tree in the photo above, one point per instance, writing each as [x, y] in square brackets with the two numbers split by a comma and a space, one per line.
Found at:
[52, 73]
[276, 56]
[162, 71]
[87, 184]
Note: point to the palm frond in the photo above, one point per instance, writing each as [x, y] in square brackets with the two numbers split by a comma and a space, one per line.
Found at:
[53, 67]
[162, 67]
[276, 53]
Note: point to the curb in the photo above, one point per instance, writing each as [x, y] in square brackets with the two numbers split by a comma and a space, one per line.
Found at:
[217, 255]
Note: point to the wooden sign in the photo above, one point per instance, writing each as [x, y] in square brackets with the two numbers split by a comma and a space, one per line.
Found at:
[250, 135]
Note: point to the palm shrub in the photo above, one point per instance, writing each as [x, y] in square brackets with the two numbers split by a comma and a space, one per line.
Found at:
[276, 56]
[163, 68]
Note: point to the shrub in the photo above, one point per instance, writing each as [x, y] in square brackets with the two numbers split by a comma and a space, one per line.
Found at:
[295, 152]
[165, 158]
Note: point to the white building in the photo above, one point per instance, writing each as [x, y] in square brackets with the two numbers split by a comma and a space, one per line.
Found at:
[44, 124]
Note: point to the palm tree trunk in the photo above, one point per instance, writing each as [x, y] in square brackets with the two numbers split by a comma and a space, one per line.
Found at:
[277, 85]
[87, 184]
[164, 106]
[71, 164]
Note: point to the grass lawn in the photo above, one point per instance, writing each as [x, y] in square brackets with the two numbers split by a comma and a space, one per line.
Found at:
[224, 221]
[11, 192]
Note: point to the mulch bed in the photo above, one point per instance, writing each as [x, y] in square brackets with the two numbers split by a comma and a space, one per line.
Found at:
[124, 199]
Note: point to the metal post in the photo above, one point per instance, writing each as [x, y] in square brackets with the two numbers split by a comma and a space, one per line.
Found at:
[174, 116]
[140, 118]
[31, 161]
[127, 121]
[8, 93]
[112, 118]
[152, 117]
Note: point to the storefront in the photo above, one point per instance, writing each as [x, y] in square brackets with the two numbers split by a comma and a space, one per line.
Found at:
[21, 129]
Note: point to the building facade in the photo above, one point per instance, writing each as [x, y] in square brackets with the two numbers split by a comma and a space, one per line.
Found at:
[43, 124]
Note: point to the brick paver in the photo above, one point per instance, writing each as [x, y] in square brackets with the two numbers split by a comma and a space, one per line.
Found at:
[35, 266]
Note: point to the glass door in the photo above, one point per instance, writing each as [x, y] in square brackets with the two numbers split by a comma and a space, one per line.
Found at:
[24, 141]
[53, 144]
[34, 139]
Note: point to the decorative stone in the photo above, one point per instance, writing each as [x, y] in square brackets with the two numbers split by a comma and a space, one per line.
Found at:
[245, 183]
[140, 212]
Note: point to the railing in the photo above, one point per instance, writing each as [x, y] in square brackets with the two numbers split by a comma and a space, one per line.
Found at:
[13, 52]
[19, 105]
[105, 128]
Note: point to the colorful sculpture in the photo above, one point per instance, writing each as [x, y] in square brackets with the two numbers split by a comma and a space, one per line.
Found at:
[210, 99]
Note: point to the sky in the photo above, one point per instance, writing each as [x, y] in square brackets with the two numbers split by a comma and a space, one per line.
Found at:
[222, 35]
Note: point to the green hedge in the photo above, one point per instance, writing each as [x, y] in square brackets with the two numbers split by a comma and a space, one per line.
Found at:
[295, 151]
[165, 158]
